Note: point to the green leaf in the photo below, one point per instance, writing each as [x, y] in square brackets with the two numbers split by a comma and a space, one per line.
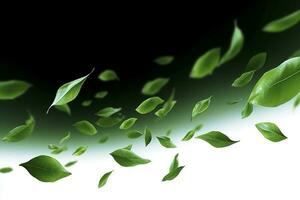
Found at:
[79, 151]
[201, 106]
[103, 139]
[236, 45]
[104, 179]
[191, 133]
[283, 23]
[20, 132]
[85, 127]
[108, 75]
[71, 163]
[244, 79]
[172, 174]
[52, 146]
[206, 64]
[101, 94]
[149, 105]
[148, 136]
[234, 101]
[216, 139]
[12, 89]
[59, 150]
[297, 101]
[247, 110]
[166, 142]
[154, 86]
[129, 147]
[68, 91]
[127, 158]
[168, 132]
[175, 164]
[270, 131]
[277, 85]
[108, 111]
[164, 60]
[295, 54]
[128, 123]
[167, 106]
[45, 169]
[257, 61]
[109, 121]
[134, 134]
[65, 138]
[86, 103]
[5, 170]
[64, 108]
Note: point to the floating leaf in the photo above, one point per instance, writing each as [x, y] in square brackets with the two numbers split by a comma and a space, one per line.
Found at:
[5, 170]
[297, 101]
[166, 142]
[65, 138]
[104, 179]
[64, 108]
[154, 86]
[101, 94]
[277, 85]
[244, 79]
[295, 54]
[257, 61]
[68, 91]
[108, 111]
[283, 23]
[71, 163]
[148, 136]
[134, 134]
[85, 127]
[108, 75]
[164, 60]
[45, 169]
[127, 158]
[167, 107]
[86, 103]
[270, 131]
[191, 133]
[206, 64]
[201, 106]
[216, 139]
[79, 151]
[234, 101]
[103, 139]
[128, 123]
[59, 150]
[129, 147]
[168, 132]
[12, 89]
[236, 45]
[173, 174]
[174, 164]
[20, 132]
[247, 110]
[149, 105]
[109, 121]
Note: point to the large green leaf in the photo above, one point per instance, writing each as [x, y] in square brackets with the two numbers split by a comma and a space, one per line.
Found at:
[270, 131]
[154, 86]
[149, 105]
[216, 139]
[127, 158]
[12, 89]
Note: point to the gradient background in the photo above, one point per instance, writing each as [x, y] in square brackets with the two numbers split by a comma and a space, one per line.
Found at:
[49, 50]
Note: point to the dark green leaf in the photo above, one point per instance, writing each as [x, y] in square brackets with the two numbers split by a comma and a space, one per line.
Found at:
[85, 127]
[166, 142]
[173, 174]
[104, 179]
[5, 170]
[154, 86]
[108, 75]
[127, 158]
[108, 111]
[59, 150]
[270, 131]
[128, 123]
[149, 105]
[12, 89]
[234, 101]
[216, 139]
[257, 61]
[244, 79]
[175, 164]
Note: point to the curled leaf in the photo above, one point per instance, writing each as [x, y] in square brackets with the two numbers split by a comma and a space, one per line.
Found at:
[148, 136]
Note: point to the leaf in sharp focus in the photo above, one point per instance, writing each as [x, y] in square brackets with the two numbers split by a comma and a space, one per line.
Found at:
[164, 60]
[108, 75]
[86, 103]
[244, 79]
[20, 132]
[277, 85]
[174, 163]
[167, 106]
[206, 64]
[103, 139]
[297, 101]
[5, 170]
[12, 89]
[154, 86]
[68, 91]
[216, 139]
[149, 105]
[134, 134]
[257, 61]
[295, 54]
[270, 131]
[108, 111]
[234, 101]
[236, 45]
[101, 94]
[64, 108]
[79, 151]
[109, 121]
[128, 123]
[283, 23]
[71, 163]
[172, 174]
[201, 106]
[85, 127]
[45, 169]
[65, 138]
[148, 136]
[247, 110]
[127, 158]
[104, 179]
[166, 142]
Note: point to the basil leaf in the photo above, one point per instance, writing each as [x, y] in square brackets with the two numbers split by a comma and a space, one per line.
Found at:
[154, 86]
[128, 123]
[108, 111]
[201, 106]
[244, 79]
[166, 142]
[108, 75]
[149, 105]
[64, 108]
[164, 60]
[127, 158]
[12, 89]
[216, 139]
[104, 179]
[148, 136]
[257, 61]
[270, 131]
[79, 151]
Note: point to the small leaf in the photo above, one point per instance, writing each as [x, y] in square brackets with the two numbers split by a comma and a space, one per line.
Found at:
[167, 107]
[201, 106]
[79, 151]
[45, 169]
[128, 123]
[129, 147]
[295, 54]
[244, 79]
[297, 101]
[149, 105]
[283, 23]
[104, 179]
[109, 121]
[127, 158]
[108, 111]
[173, 174]
[148, 136]
[257, 61]
[154, 86]
[191, 133]
[174, 164]
[234, 101]
[5, 170]
[206, 64]
[216, 139]
[134, 134]
[64, 108]
[108, 75]
[166, 142]
[247, 110]
[101, 94]
[65, 138]
[71, 163]
[270, 131]
[86, 103]
[164, 60]
[103, 139]
[68, 91]
[168, 132]
[12, 89]
[85, 127]
[59, 150]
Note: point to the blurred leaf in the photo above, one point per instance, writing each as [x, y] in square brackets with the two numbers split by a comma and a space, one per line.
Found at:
[257, 62]
[154, 86]
[13, 89]
[5, 170]
[128, 123]
[108, 75]
[64, 108]
[108, 111]
[71, 163]
[65, 138]
[244, 79]
[134, 134]
[86, 103]
[109, 121]
[164, 60]
[149, 105]
[85, 127]
[79, 151]
[101, 94]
